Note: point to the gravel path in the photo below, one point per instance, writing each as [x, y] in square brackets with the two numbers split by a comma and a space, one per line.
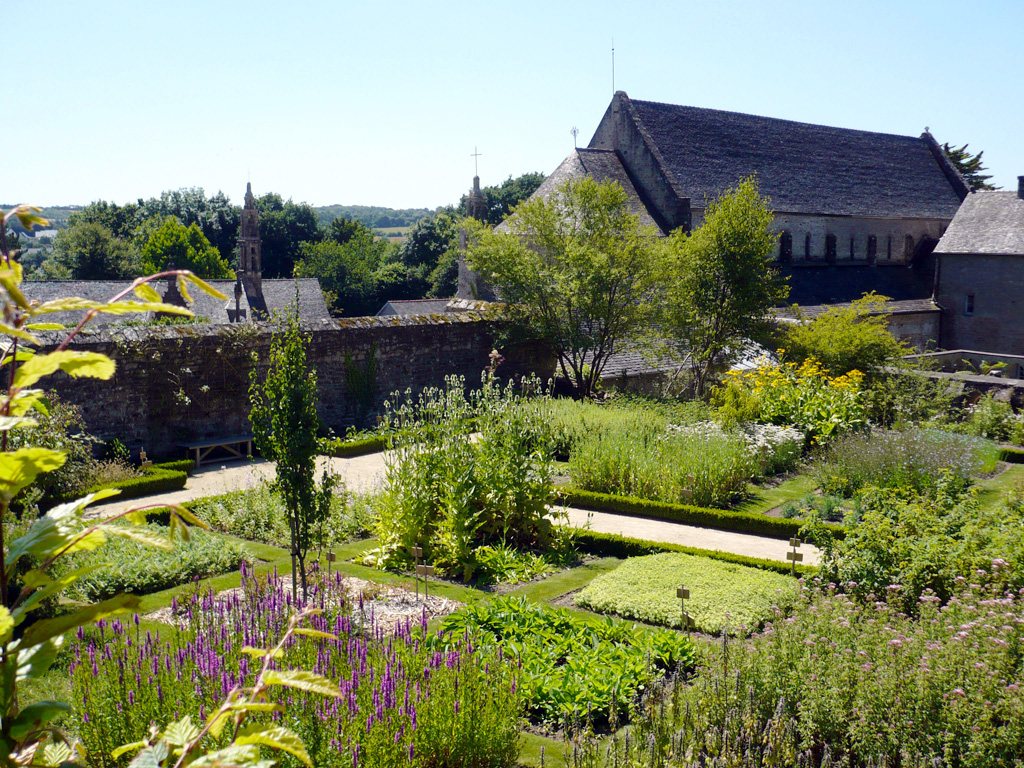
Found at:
[364, 473]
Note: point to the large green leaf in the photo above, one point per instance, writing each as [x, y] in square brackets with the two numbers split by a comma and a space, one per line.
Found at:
[142, 535]
[79, 364]
[56, 627]
[36, 716]
[276, 737]
[247, 755]
[181, 733]
[34, 661]
[6, 625]
[21, 467]
[7, 423]
[45, 586]
[204, 286]
[59, 530]
[151, 757]
[303, 680]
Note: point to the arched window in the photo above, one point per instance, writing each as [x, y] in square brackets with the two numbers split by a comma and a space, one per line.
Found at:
[786, 248]
[830, 248]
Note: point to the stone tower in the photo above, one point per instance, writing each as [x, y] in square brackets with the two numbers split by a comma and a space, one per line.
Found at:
[250, 257]
[471, 287]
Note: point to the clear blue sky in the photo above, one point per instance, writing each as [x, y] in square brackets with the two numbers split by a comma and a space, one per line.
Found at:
[382, 103]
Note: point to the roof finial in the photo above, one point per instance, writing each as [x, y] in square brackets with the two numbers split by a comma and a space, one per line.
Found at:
[613, 66]
[575, 132]
[476, 162]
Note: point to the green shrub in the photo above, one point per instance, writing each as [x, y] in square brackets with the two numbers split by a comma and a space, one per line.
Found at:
[723, 596]
[127, 565]
[904, 543]
[909, 458]
[722, 519]
[1012, 455]
[993, 419]
[840, 683]
[453, 493]
[571, 670]
[345, 448]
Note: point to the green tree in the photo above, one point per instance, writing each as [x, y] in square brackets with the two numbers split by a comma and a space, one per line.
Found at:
[173, 245]
[215, 215]
[284, 424]
[720, 286]
[121, 220]
[577, 271]
[502, 198]
[284, 226]
[846, 338]
[347, 272]
[89, 251]
[428, 243]
[970, 166]
[341, 230]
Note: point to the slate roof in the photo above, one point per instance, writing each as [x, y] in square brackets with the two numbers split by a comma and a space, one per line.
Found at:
[988, 223]
[278, 294]
[414, 307]
[600, 165]
[803, 168]
[838, 284]
[908, 307]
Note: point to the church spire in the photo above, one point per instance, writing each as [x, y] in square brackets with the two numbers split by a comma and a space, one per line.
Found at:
[476, 206]
[250, 256]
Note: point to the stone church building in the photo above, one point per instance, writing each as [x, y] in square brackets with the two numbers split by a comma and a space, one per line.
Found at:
[856, 211]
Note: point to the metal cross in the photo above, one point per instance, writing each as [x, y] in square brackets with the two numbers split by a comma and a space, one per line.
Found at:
[476, 162]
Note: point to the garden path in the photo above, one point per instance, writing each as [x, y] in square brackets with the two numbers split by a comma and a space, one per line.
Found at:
[364, 473]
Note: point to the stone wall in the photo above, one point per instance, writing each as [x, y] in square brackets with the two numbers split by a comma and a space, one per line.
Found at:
[995, 285]
[186, 383]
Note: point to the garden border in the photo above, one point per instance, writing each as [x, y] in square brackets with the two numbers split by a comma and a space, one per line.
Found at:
[344, 449]
[705, 517]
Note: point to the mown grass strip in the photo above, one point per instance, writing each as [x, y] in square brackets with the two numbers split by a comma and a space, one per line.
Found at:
[703, 517]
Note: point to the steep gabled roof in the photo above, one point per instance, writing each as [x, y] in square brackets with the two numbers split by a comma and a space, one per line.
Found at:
[987, 223]
[600, 165]
[414, 307]
[803, 168]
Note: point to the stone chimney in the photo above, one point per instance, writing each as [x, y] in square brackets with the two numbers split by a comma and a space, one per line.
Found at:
[1020, 187]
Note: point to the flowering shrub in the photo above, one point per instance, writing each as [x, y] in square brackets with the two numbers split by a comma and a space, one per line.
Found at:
[993, 419]
[845, 684]
[572, 670]
[724, 596]
[402, 703]
[776, 449]
[909, 458]
[803, 396]
[926, 542]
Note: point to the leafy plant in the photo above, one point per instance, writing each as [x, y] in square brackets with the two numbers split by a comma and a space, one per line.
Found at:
[29, 645]
[571, 670]
[723, 596]
[285, 423]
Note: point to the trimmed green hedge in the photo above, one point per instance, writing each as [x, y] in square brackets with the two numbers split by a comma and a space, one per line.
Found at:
[614, 545]
[722, 519]
[347, 448]
[159, 478]
[1012, 455]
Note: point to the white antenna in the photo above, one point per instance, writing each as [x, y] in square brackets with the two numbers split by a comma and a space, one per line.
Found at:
[613, 66]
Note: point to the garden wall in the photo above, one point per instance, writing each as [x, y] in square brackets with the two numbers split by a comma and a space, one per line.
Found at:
[185, 383]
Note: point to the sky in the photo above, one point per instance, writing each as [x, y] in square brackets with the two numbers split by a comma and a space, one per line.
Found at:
[383, 103]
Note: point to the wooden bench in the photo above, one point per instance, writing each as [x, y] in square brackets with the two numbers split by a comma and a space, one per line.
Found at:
[203, 448]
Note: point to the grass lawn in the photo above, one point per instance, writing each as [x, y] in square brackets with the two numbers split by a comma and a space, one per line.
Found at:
[760, 500]
[992, 491]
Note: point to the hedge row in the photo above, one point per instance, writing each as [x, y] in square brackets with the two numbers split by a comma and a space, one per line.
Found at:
[1012, 455]
[614, 545]
[704, 517]
[346, 448]
[159, 478]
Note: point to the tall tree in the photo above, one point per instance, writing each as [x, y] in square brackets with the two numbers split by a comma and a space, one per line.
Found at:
[429, 242]
[502, 198]
[284, 423]
[89, 251]
[173, 245]
[215, 215]
[284, 226]
[720, 286]
[347, 272]
[577, 271]
[121, 220]
[970, 166]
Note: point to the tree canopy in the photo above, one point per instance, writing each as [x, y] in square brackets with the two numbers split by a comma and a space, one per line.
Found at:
[970, 166]
[172, 244]
[502, 198]
[577, 271]
[284, 226]
[720, 286]
[88, 250]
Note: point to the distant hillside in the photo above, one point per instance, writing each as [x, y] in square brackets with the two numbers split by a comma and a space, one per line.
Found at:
[373, 216]
[57, 216]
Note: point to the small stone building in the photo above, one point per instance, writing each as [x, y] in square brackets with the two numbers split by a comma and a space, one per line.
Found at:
[980, 274]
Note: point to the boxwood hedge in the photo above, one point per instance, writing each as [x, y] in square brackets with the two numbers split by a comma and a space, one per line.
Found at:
[348, 448]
